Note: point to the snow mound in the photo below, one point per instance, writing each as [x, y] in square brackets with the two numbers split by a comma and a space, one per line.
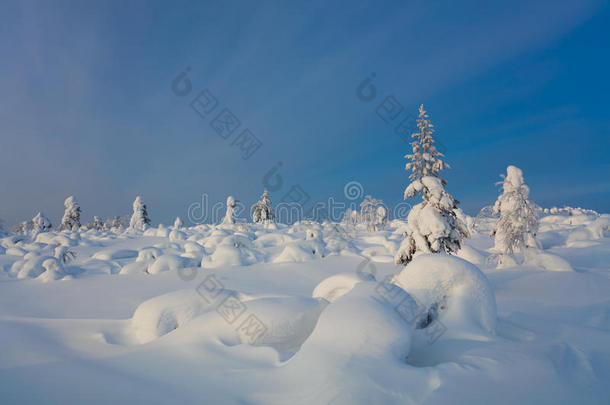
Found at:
[170, 262]
[333, 287]
[15, 251]
[160, 315]
[360, 324]
[287, 321]
[149, 253]
[115, 254]
[228, 255]
[176, 235]
[453, 290]
[135, 267]
[546, 261]
[296, 252]
[45, 268]
[51, 238]
[471, 254]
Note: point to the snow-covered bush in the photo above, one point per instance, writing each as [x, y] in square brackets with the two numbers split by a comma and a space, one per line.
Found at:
[230, 214]
[139, 220]
[432, 225]
[518, 221]
[71, 219]
[262, 211]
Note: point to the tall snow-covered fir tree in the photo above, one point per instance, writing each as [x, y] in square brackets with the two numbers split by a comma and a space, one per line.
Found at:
[71, 218]
[139, 220]
[518, 221]
[230, 214]
[432, 225]
[262, 211]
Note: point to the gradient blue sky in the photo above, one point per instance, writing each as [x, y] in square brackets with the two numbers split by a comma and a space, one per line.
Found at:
[86, 106]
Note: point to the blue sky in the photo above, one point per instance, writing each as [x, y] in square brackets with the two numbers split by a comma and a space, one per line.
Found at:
[87, 109]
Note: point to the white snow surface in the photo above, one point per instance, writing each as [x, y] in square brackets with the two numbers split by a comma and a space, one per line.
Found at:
[304, 314]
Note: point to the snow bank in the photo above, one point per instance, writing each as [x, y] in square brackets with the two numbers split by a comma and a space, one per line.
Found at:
[453, 290]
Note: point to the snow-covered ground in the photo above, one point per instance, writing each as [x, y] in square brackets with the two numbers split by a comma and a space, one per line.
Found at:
[304, 314]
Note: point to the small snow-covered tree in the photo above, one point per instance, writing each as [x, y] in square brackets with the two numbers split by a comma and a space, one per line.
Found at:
[71, 218]
[262, 211]
[518, 221]
[97, 224]
[40, 223]
[350, 219]
[382, 217]
[178, 223]
[23, 228]
[139, 220]
[230, 214]
[432, 225]
[116, 224]
[373, 214]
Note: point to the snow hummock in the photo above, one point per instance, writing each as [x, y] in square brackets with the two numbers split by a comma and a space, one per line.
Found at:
[454, 290]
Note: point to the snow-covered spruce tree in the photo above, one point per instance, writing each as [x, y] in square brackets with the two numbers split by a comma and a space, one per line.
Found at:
[139, 220]
[262, 211]
[71, 218]
[40, 223]
[518, 221]
[373, 214]
[230, 214]
[432, 225]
